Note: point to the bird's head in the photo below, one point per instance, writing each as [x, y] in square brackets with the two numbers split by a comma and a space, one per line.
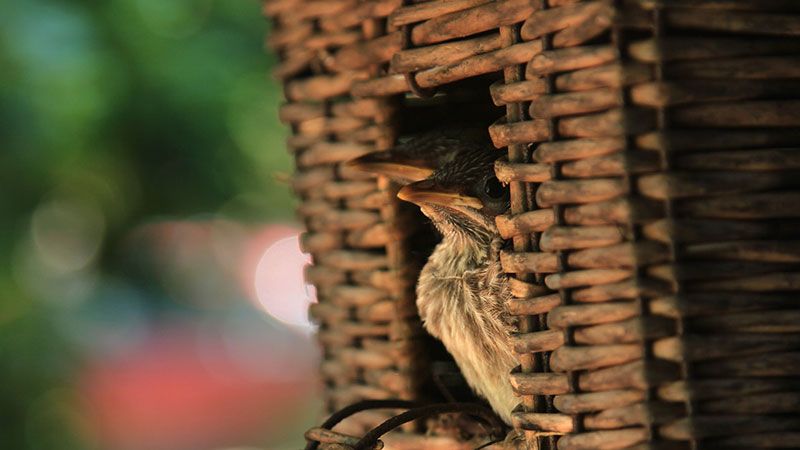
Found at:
[463, 196]
[459, 192]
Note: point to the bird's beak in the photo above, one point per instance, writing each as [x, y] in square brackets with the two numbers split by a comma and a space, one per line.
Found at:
[430, 193]
[393, 166]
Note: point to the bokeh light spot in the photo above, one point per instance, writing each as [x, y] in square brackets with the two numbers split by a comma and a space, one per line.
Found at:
[67, 234]
[280, 287]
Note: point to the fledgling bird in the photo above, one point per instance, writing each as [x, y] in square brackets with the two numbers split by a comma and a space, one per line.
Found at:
[462, 288]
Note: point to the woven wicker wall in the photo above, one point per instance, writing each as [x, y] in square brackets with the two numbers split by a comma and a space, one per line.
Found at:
[356, 233]
[653, 163]
[662, 176]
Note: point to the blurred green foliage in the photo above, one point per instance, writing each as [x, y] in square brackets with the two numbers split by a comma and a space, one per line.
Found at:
[138, 109]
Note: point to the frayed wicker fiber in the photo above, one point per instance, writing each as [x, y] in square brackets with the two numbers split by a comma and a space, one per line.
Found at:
[653, 161]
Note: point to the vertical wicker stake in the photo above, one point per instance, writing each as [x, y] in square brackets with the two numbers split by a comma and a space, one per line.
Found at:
[665, 165]
[518, 153]
[564, 292]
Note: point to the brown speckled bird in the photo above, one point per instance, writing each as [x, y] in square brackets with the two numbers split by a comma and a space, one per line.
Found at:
[462, 289]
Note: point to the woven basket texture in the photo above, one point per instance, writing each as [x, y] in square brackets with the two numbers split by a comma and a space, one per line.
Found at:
[366, 314]
[654, 165]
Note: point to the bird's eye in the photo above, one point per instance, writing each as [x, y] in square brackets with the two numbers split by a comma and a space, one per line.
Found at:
[494, 189]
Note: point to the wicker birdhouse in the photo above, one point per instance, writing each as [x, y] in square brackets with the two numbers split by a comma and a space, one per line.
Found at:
[653, 158]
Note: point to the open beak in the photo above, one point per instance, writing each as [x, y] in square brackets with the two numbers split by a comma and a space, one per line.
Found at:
[393, 166]
[430, 193]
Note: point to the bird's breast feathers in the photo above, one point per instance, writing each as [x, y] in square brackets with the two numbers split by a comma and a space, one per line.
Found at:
[460, 297]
